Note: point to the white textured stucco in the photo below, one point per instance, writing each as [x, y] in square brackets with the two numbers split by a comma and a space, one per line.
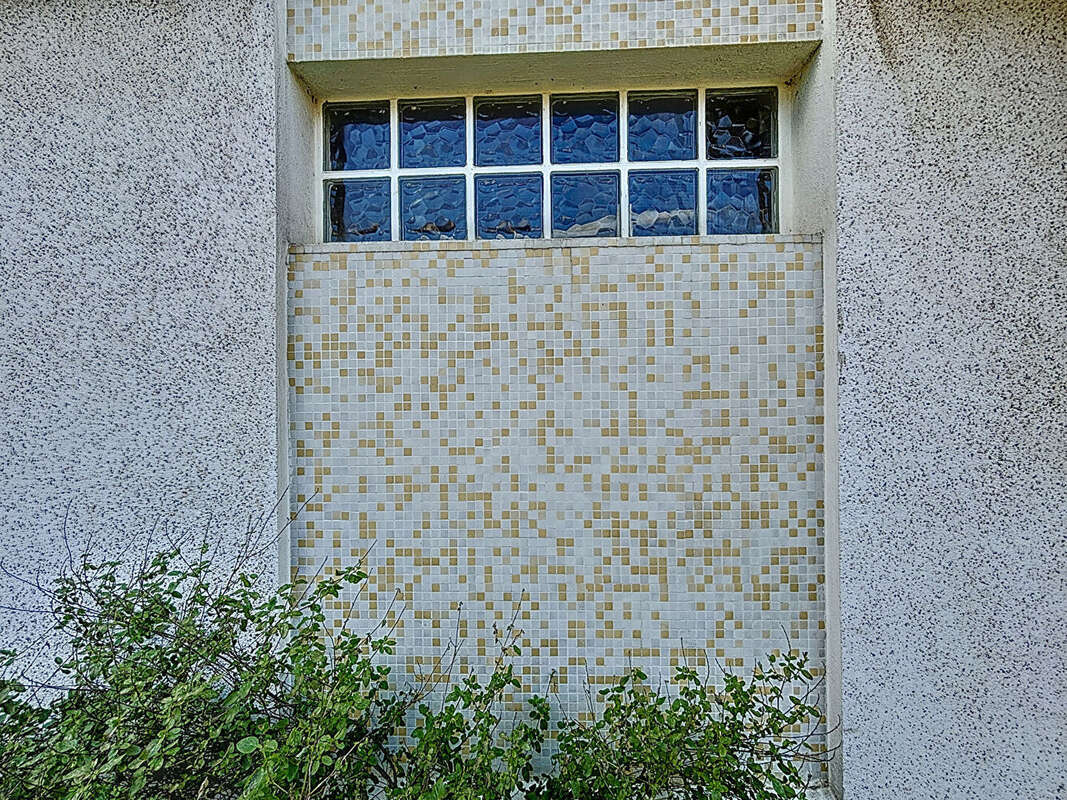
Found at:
[814, 204]
[297, 221]
[138, 271]
[951, 282]
[138, 340]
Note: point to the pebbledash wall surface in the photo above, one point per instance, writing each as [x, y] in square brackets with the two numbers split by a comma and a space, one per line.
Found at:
[952, 301]
[852, 429]
[137, 293]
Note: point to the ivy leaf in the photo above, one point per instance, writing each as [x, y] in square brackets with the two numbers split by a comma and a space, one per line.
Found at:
[247, 745]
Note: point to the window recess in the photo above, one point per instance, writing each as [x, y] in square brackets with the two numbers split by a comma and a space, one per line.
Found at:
[597, 164]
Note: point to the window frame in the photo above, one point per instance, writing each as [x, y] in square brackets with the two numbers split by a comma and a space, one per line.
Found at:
[623, 166]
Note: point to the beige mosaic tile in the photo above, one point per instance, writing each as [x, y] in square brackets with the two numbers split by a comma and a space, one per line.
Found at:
[353, 29]
[621, 443]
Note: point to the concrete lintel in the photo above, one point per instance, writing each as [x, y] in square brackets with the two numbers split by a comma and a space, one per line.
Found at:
[664, 67]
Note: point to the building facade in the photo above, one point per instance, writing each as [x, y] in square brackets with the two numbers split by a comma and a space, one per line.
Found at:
[670, 330]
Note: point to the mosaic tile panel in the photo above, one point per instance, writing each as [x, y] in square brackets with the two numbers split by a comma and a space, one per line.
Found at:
[620, 446]
[346, 29]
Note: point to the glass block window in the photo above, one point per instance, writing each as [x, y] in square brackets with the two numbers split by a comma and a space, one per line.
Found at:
[585, 204]
[681, 162]
[742, 123]
[358, 136]
[508, 206]
[663, 202]
[585, 128]
[432, 133]
[742, 200]
[662, 126]
[359, 210]
[433, 208]
[507, 131]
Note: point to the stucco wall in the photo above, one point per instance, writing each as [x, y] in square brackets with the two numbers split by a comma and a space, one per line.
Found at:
[814, 198]
[951, 265]
[137, 255]
[619, 441]
[351, 29]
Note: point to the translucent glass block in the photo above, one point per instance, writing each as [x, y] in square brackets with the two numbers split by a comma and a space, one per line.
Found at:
[507, 130]
[742, 123]
[661, 125]
[663, 202]
[358, 136]
[585, 204]
[585, 128]
[508, 206]
[432, 133]
[358, 211]
[433, 208]
[742, 201]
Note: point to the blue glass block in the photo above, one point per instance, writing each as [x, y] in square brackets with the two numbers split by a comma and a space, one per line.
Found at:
[585, 204]
[662, 126]
[742, 201]
[507, 130]
[663, 202]
[432, 133]
[359, 136]
[585, 128]
[358, 211]
[508, 206]
[742, 123]
[433, 208]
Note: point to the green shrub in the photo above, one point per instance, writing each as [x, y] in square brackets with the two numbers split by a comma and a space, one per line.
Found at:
[180, 687]
[461, 751]
[186, 685]
[746, 739]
